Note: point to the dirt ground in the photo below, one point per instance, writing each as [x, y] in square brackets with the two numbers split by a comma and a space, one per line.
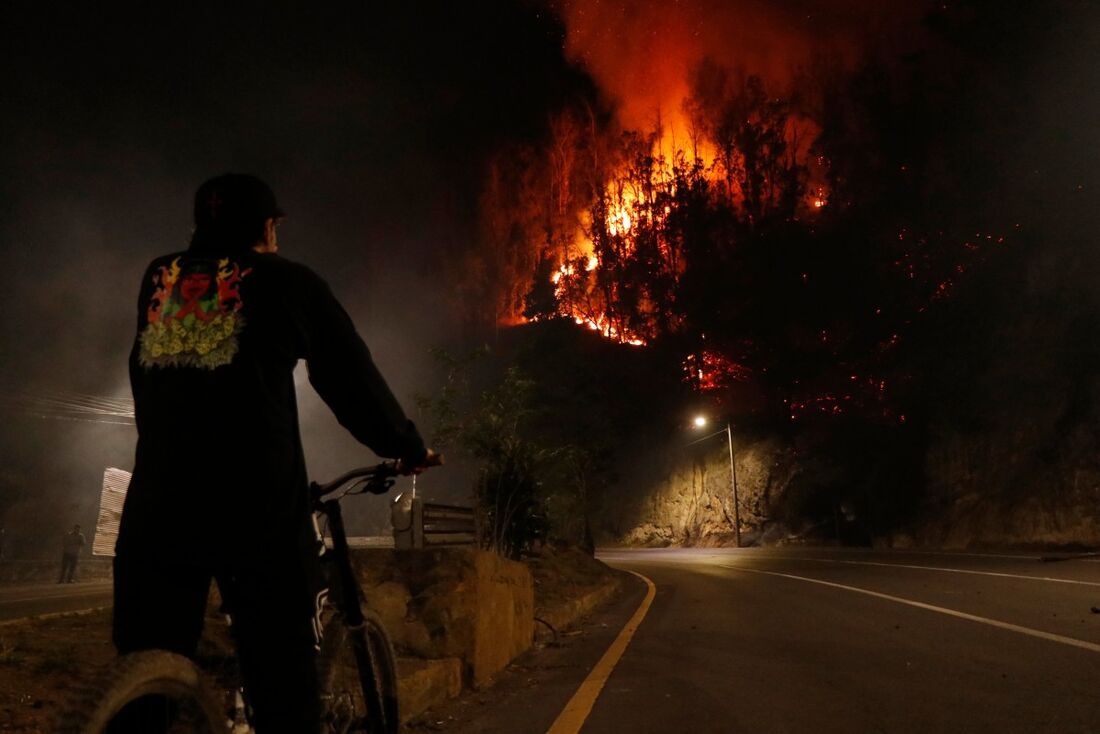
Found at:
[42, 661]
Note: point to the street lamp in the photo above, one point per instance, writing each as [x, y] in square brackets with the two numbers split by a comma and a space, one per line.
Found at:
[701, 422]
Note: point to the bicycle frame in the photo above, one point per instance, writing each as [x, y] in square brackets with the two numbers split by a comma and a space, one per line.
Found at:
[346, 593]
[370, 670]
[347, 596]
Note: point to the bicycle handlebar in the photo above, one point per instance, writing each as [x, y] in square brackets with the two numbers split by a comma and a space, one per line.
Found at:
[379, 478]
[377, 473]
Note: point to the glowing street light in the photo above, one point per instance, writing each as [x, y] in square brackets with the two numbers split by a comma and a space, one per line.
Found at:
[700, 422]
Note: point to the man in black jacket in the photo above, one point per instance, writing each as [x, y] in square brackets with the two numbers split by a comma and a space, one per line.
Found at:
[219, 487]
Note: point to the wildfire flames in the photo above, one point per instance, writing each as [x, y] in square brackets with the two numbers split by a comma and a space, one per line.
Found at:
[567, 274]
[635, 229]
[632, 213]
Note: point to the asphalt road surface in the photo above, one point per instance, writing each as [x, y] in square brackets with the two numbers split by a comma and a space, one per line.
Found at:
[29, 600]
[810, 640]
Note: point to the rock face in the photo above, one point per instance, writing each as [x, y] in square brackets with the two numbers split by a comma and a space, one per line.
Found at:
[1018, 484]
[691, 502]
[1001, 489]
[452, 602]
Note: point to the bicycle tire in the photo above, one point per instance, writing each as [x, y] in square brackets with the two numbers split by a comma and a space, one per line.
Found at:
[139, 675]
[357, 669]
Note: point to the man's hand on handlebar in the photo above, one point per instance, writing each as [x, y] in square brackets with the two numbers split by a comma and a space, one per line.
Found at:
[430, 459]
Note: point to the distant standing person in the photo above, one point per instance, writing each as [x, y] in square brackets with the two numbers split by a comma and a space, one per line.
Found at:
[70, 554]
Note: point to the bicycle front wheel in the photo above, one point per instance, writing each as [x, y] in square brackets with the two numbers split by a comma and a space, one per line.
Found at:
[357, 668]
[149, 692]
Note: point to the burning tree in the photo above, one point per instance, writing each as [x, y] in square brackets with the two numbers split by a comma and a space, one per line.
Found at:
[743, 247]
[847, 247]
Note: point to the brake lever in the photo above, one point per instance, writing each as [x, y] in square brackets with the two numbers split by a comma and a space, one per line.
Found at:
[378, 486]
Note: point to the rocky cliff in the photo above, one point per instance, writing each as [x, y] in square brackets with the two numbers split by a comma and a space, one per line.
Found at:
[688, 498]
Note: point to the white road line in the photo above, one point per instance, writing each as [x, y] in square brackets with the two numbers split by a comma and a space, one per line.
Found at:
[1050, 579]
[918, 552]
[1049, 636]
[962, 553]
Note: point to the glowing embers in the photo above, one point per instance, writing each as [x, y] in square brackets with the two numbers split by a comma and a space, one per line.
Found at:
[708, 370]
[863, 395]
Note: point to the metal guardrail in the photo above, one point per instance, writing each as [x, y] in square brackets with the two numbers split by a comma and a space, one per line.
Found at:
[448, 524]
[419, 524]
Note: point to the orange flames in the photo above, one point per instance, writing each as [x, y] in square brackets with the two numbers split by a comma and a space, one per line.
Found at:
[636, 206]
[598, 322]
[713, 94]
[647, 56]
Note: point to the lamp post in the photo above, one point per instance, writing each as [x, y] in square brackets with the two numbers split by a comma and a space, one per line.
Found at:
[700, 422]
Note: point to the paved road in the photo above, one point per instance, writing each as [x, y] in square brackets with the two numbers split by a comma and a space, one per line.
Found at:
[28, 600]
[806, 640]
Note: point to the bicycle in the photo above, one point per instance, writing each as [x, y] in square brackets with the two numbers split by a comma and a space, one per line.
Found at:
[160, 690]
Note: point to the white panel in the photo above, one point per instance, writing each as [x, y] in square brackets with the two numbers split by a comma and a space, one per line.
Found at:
[115, 484]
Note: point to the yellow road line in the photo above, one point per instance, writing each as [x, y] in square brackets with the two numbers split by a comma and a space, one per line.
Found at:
[573, 716]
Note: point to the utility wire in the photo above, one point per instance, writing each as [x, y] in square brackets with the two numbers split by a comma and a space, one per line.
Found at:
[70, 406]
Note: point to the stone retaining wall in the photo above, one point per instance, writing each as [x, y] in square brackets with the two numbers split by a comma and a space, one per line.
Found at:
[452, 603]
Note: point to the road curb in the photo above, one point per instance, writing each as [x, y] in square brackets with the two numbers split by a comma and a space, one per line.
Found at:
[566, 614]
[425, 684]
[52, 615]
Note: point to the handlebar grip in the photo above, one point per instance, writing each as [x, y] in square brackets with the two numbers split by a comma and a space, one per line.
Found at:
[430, 459]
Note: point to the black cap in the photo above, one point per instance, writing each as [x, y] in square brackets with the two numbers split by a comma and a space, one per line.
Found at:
[232, 199]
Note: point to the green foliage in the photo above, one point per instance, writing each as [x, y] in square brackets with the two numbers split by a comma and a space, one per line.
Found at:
[526, 488]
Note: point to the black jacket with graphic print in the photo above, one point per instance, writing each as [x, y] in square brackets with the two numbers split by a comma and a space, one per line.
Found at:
[219, 474]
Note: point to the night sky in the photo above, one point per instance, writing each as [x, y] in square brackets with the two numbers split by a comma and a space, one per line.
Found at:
[373, 124]
[370, 122]
[371, 128]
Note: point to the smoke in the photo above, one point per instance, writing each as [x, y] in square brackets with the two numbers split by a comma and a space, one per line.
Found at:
[371, 124]
[641, 51]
